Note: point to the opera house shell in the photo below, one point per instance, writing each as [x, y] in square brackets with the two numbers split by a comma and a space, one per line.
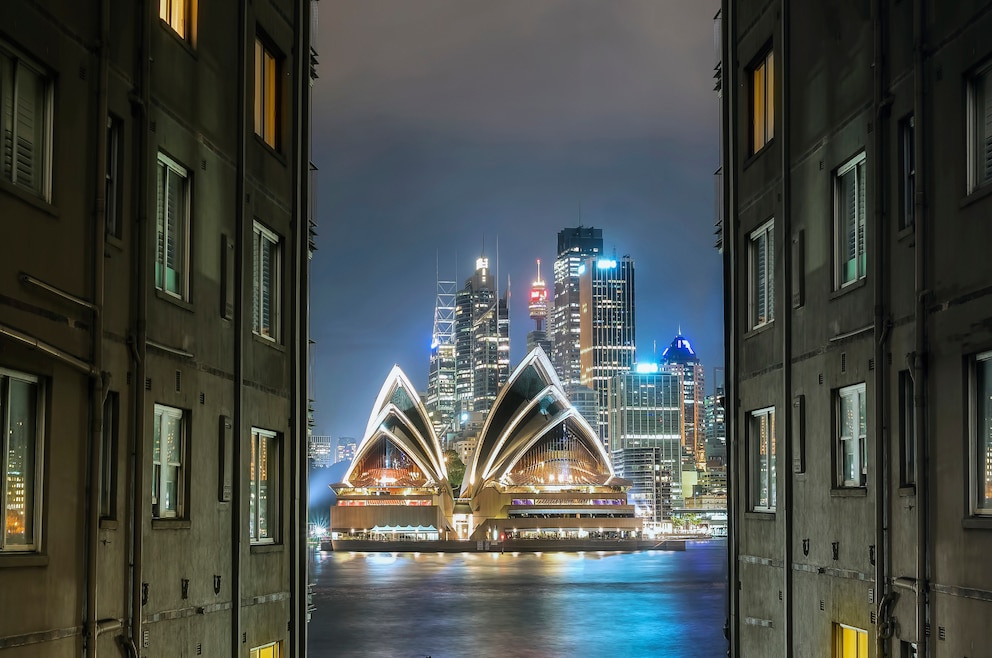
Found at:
[539, 469]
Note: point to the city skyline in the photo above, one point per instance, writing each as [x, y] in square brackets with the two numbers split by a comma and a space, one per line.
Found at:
[508, 124]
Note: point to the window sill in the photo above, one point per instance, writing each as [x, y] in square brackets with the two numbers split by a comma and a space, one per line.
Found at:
[977, 523]
[759, 329]
[907, 490]
[266, 548]
[759, 515]
[29, 198]
[849, 492]
[108, 524]
[114, 241]
[857, 285]
[751, 159]
[978, 194]
[274, 344]
[274, 152]
[172, 299]
[170, 524]
[906, 235]
[185, 42]
[18, 560]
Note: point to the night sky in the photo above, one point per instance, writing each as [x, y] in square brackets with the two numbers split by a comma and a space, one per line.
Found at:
[440, 126]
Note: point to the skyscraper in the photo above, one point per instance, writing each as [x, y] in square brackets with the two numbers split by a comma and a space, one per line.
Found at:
[482, 340]
[440, 399]
[538, 307]
[680, 360]
[606, 327]
[575, 245]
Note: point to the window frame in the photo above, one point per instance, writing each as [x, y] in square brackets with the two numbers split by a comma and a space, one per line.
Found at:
[977, 179]
[860, 454]
[113, 167]
[272, 442]
[858, 165]
[177, 16]
[974, 411]
[756, 318]
[165, 165]
[108, 456]
[267, 104]
[756, 480]
[36, 494]
[907, 172]
[158, 492]
[861, 636]
[262, 237]
[760, 74]
[907, 430]
[256, 652]
[18, 63]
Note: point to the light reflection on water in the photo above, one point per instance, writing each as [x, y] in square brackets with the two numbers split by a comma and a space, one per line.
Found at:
[550, 605]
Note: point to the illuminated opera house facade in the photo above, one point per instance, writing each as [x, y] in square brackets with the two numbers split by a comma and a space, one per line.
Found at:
[539, 470]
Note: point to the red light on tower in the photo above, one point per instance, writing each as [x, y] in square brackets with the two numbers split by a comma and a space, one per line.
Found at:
[539, 300]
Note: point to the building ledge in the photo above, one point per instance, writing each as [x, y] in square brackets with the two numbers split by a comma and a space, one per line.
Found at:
[17, 560]
[849, 492]
[977, 523]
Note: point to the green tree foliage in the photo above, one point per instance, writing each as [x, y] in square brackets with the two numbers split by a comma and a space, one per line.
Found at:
[456, 469]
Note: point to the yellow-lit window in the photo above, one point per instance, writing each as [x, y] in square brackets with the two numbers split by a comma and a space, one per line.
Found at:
[175, 13]
[850, 642]
[268, 651]
[266, 94]
[763, 102]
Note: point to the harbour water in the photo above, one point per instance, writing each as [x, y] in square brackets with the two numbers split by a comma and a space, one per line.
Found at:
[526, 605]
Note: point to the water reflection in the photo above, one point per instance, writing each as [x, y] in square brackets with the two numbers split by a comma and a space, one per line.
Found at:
[566, 605]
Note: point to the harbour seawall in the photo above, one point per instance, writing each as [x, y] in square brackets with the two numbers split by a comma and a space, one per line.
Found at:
[507, 546]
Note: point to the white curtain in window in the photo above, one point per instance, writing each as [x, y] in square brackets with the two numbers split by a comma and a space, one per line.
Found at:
[22, 120]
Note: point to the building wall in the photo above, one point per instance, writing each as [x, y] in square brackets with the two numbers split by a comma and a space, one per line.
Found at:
[145, 347]
[829, 554]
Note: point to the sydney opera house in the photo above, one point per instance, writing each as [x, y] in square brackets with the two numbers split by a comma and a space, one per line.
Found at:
[538, 471]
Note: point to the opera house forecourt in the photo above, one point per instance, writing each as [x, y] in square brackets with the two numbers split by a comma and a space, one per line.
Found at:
[539, 477]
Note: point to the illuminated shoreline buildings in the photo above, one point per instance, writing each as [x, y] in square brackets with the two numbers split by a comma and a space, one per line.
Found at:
[538, 307]
[575, 245]
[482, 341]
[606, 327]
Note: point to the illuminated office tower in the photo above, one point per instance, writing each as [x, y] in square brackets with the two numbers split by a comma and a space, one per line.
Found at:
[440, 400]
[482, 341]
[680, 360]
[606, 327]
[538, 307]
[575, 245]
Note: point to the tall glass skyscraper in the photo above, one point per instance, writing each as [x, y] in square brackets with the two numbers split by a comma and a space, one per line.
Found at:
[482, 341]
[575, 245]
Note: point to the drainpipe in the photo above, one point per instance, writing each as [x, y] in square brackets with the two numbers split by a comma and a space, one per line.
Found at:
[920, 377]
[99, 383]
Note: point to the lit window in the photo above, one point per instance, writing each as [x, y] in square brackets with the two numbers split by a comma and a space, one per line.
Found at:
[171, 228]
[763, 102]
[849, 214]
[175, 13]
[273, 650]
[907, 165]
[981, 434]
[168, 447]
[20, 464]
[263, 484]
[266, 94]
[980, 129]
[265, 278]
[852, 426]
[761, 438]
[762, 275]
[850, 642]
[25, 123]
[111, 210]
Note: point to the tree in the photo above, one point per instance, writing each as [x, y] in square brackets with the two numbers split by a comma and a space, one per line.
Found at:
[456, 469]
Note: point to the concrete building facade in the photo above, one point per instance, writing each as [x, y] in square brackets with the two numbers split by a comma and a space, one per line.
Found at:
[857, 189]
[153, 340]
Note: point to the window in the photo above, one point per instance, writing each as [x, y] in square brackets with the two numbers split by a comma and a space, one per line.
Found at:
[265, 278]
[108, 452]
[113, 168]
[981, 434]
[850, 642]
[763, 102]
[907, 430]
[171, 228]
[266, 94]
[762, 276]
[907, 165]
[176, 14]
[21, 401]
[26, 124]
[852, 425]
[980, 129]
[849, 213]
[273, 650]
[761, 430]
[168, 447]
[263, 484]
